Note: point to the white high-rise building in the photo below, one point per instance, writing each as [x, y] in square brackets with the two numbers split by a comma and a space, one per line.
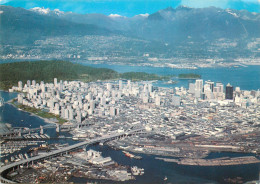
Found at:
[221, 87]
[157, 101]
[79, 116]
[112, 111]
[55, 82]
[109, 86]
[33, 83]
[66, 114]
[199, 84]
[28, 83]
[150, 88]
[120, 84]
[20, 85]
[71, 117]
[191, 88]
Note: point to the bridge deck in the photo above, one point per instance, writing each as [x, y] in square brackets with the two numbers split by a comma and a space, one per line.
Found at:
[63, 150]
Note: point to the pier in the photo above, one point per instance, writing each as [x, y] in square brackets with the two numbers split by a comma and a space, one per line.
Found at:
[223, 161]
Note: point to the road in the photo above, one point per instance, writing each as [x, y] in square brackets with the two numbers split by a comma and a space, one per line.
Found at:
[64, 150]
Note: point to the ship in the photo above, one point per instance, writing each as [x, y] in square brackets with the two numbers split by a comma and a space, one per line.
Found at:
[137, 171]
[131, 155]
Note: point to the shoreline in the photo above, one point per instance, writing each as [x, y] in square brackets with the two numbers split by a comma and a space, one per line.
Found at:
[46, 120]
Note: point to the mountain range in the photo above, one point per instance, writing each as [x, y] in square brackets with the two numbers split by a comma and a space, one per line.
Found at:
[175, 28]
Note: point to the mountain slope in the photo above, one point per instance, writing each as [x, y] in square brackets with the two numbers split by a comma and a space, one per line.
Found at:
[20, 26]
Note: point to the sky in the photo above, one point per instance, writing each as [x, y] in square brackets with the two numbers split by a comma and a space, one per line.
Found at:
[130, 8]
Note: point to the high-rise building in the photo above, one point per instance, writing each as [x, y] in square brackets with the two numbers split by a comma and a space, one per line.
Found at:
[199, 84]
[150, 88]
[112, 111]
[20, 85]
[28, 83]
[33, 82]
[191, 88]
[120, 84]
[211, 85]
[229, 92]
[157, 101]
[55, 82]
[221, 87]
[109, 86]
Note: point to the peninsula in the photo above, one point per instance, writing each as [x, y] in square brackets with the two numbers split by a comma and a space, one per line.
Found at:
[10, 73]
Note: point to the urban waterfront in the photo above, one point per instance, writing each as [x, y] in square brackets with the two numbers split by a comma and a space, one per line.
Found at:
[247, 78]
[156, 168]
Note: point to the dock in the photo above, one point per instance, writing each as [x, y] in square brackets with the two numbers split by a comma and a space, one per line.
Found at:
[223, 161]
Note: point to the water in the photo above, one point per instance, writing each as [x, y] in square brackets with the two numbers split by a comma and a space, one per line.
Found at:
[156, 170]
[247, 78]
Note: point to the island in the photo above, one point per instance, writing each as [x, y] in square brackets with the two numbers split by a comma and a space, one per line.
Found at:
[189, 76]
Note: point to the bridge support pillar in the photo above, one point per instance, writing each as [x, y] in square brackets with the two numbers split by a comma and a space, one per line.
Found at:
[41, 132]
[20, 133]
[57, 128]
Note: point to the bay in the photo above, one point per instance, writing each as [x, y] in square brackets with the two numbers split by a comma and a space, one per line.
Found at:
[247, 78]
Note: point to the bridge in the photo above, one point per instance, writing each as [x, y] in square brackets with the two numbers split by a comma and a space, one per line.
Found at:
[6, 168]
[18, 131]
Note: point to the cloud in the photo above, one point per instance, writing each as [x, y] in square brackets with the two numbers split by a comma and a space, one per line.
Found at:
[115, 16]
[4, 1]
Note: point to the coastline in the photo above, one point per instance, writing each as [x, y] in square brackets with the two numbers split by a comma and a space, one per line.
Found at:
[46, 120]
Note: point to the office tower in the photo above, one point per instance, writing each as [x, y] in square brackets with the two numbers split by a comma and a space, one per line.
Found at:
[150, 88]
[28, 83]
[55, 82]
[211, 85]
[43, 88]
[33, 82]
[71, 114]
[157, 101]
[221, 86]
[229, 92]
[112, 111]
[109, 86]
[78, 116]
[191, 88]
[20, 85]
[199, 84]
[120, 84]
[66, 114]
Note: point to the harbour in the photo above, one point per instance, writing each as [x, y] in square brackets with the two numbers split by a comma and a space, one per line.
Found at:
[173, 171]
[223, 161]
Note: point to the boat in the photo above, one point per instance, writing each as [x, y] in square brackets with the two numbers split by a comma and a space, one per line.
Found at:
[165, 178]
[128, 154]
[131, 155]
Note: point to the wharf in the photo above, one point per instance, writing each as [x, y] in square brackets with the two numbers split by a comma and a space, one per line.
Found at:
[223, 161]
